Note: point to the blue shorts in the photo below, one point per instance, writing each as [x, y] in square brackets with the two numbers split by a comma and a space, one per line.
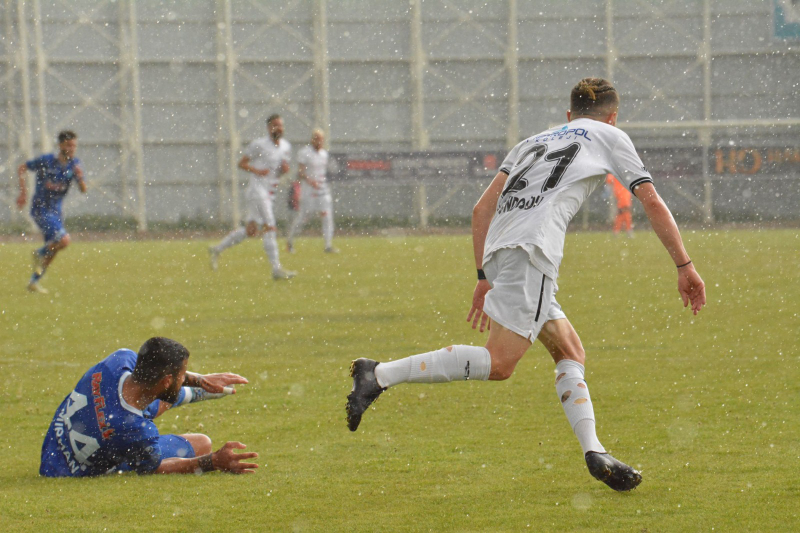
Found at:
[51, 225]
[175, 446]
[170, 446]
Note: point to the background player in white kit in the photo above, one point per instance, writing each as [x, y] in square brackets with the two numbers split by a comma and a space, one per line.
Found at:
[315, 195]
[518, 230]
[267, 159]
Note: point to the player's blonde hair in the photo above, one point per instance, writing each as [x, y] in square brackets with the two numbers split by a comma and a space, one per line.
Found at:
[593, 97]
[317, 131]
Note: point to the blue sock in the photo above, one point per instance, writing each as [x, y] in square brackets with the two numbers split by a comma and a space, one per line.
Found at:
[36, 277]
[42, 251]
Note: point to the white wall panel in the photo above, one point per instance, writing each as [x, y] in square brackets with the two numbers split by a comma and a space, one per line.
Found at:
[289, 42]
[548, 38]
[188, 132]
[169, 163]
[174, 41]
[179, 82]
[367, 82]
[370, 40]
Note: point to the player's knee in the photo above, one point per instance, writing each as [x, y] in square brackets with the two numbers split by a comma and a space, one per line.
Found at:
[64, 242]
[576, 354]
[502, 372]
[200, 443]
[251, 230]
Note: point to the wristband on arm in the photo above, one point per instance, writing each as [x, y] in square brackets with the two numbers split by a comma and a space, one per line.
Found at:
[205, 463]
[685, 264]
[481, 274]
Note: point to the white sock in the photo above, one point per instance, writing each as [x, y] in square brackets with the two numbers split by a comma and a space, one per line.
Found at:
[448, 364]
[327, 229]
[574, 396]
[271, 248]
[297, 224]
[195, 394]
[231, 239]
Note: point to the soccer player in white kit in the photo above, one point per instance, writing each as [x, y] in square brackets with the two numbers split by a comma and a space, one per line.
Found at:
[267, 159]
[315, 195]
[518, 230]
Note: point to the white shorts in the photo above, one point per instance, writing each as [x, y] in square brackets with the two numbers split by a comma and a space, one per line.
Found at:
[259, 207]
[315, 200]
[522, 298]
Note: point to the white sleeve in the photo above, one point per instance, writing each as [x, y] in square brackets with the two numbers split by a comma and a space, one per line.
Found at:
[626, 165]
[302, 156]
[510, 160]
[287, 152]
[252, 151]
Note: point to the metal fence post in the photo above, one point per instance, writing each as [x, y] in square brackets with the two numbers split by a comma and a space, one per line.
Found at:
[421, 201]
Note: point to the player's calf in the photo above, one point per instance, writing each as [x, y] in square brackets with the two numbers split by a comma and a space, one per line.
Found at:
[39, 256]
[370, 378]
[453, 363]
[251, 229]
[573, 393]
[502, 371]
[63, 242]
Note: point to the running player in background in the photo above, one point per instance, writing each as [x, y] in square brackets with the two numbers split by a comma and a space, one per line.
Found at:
[518, 232]
[267, 159]
[54, 175]
[315, 196]
[624, 200]
[106, 424]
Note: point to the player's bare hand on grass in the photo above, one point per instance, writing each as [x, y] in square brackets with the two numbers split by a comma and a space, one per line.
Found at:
[217, 383]
[476, 313]
[692, 288]
[227, 460]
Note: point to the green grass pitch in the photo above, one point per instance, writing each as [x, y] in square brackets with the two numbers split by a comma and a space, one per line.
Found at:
[707, 407]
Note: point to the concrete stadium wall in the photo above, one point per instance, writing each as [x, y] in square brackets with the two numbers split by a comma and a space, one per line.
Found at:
[165, 93]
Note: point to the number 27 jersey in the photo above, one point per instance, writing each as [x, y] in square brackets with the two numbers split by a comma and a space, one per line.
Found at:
[550, 175]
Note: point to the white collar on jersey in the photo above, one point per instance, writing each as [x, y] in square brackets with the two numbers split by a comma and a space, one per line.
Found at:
[122, 402]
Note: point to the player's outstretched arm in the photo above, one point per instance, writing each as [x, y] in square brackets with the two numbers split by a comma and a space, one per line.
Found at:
[482, 215]
[225, 459]
[22, 199]
[215, 383]
[244, 164]
[79, 176]
[302, 175]
[690, 285]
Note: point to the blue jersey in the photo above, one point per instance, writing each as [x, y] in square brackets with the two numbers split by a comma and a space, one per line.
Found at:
[52, 181]
[95, 431]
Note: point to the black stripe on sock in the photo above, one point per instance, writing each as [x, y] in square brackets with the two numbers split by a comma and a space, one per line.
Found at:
[541, 295]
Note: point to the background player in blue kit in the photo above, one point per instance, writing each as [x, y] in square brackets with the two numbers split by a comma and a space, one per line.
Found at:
[106, 424]
[54, 174]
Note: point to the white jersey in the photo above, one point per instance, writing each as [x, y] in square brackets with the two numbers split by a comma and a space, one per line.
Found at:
[316, 163]
[549, 177]
[264, 154]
